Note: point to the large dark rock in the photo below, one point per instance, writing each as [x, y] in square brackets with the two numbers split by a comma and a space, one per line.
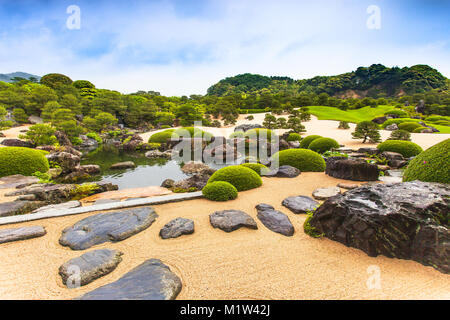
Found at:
[379, 120]
[300, 204]
[176, 228]
[404, 220]
[62, 138]
[67, 161]
[88, 144]
[151, 280]
[230, 220]
[89, 266]
[368, 150]
[275, 220]
[16, 234]
[110, 226]
[197, 181]
[13, 208]
[17, 143]
[247, 126]
[349, 169]
[284, 172]
[420, 107]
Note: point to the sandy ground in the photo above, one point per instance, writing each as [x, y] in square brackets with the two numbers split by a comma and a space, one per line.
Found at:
[325, 128]
[13, 133]
[244, 264]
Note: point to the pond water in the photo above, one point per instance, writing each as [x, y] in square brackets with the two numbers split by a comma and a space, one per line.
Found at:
[148, 172]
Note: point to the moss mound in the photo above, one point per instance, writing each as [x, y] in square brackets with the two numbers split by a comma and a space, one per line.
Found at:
[193, 133]
[163, 136]
[432, 165]
[409, 126]
[220, 191]
[397, 112]
[397, 121]
[307, 141]
[240, 177]
[419, 129]
[406, 148]
[25, 161]
[302, 159]
[322, 145]
[257, 167]
[294, 137]
[260, 134]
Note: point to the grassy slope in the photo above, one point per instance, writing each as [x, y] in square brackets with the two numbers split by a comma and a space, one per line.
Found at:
[358, 115]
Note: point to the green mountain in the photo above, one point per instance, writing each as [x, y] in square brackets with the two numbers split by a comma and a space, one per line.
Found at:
[9, 77]
[374, 81]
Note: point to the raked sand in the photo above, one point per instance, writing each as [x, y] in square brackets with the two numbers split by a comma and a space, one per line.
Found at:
[244, 264]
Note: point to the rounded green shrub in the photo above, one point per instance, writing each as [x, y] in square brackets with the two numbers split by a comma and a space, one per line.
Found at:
[397, 121]
[163, 136]
[220, 191]
[437, 118]
[409, 126]
[432, 165]
[323, 144]
[193, 132]
[302, 159]
[419, 129]
[294, 137]
[257, 167]
[442, 123]
[25, 161]
[307, 140]
[237, 134]
[260, 134]
[239, 176]
[406, 148]
[397, 112]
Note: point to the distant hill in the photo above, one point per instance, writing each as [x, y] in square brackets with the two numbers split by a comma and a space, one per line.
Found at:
[374, 81]
[8, 77]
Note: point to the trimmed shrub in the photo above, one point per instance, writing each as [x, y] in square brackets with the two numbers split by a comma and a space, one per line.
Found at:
[323, 144]
[163, 136]
[400, 135]
[397, 121]
[194, 133]
[260, 133]
[406, 148]
[442, 123]
[343, 125]
[307, 140]
[437, 118]
[419, 129]
[220, 191]
[237, 134]
[432, 165]
[409, 126]
[398, 113]
[239, 176]
[294, 137]
[25, 161]
[302, 159]
[257, 167]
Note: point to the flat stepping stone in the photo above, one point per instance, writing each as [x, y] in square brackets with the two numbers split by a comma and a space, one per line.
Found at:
[230, 220]
[325, 193]
[284, 172]
[348, 186]
[176, 228]
[18, 207]
[16, 234]
[60, 206]
[88, 267]
[152, 280]
[17, 180]
[274, 220]
[300, 204]
[110, 226]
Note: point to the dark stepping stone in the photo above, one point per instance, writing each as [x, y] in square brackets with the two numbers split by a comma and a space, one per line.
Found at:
[16, 234]
[284, 172]
[275, 220]
[230, 220]
[176, 228]
[300, 204]
[90, 266]
[151, 280]
[18, 207]
[110, 226]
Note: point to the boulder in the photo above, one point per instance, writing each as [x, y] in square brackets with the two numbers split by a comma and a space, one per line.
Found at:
[110, 226]
[325, 193]
[123, 165]
[152, 280]
[176, 228]
[16, 234]
[17, 143]
[88, 144]
[397, 163]
[67, 161]
[274, 220]
[420, 107]
[392, 155]
[230, 220]
[247, 126]
[168, 183]
[407, 220]
[391, 127]
[62, 138]
[89, 266]
[368, 150]
[285, 171]
[132, 143]
[158, 154]
[35, 120]
[379, 120]
[193, 167]
[294, 144]
[17, 181]
[13, 208]
[197, 181]
[300, 204]
[349, 169]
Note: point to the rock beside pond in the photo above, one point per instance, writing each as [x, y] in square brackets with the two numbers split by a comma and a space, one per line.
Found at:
[176, 228]
[110, 226]
[230, 220]
[158, 154]
[123, 165]
[88, 144]
[274, 220]
[325, 193]
[404, 220]
[16, 234]
[67, 161]
[300, 204]
[284, 172]
[168, 183]
[197, 181]
[196, 167]
[89, 266]
[18, 207]
[152, 280]
[349, 169]
[17, 143]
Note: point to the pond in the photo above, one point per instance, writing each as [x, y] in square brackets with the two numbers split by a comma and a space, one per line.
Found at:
[148, 172]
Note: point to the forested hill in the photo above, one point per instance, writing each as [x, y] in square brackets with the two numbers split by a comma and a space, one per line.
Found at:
[374, 81]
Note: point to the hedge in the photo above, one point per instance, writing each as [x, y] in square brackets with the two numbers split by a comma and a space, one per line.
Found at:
[302, 159]
[260, 134]
[257, 167]
[193, 133]
[409, 126]
[307, 140]
[19, 160]
[432, 165]
[406, 148]
[220, 191]
[240, 177]
[399, 113]
[322, 145]
[419, 129]
[294, 137]
[163, 136]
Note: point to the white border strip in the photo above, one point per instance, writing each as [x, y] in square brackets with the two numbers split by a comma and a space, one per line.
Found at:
[100, 207]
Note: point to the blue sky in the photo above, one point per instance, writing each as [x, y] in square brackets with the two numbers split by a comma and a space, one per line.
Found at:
[183, 46]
